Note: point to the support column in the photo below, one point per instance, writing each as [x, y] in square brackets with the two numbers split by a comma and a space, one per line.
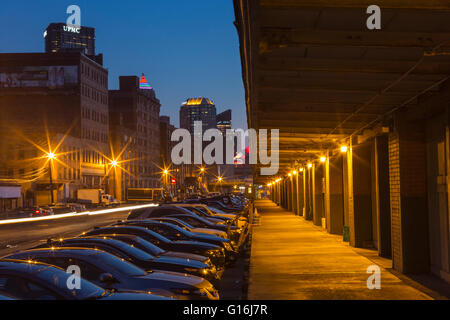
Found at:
[308, 191]
[408, 194]
[380, 195]
[295, 193]
[318, 194]
[360, 219]
[335, 213]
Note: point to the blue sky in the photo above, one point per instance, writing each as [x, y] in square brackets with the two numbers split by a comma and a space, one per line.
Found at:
[185, 48]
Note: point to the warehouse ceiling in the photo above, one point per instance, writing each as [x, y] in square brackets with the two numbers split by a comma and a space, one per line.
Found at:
[315, 71]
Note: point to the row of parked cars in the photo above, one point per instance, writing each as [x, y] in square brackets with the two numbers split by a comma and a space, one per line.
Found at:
[171, 251]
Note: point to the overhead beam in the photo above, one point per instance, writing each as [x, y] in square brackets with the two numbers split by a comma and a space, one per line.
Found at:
[395, 4]
[392, 68]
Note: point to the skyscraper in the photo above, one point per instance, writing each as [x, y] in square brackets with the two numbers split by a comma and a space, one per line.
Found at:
[198, 109]
[224, 121]
[63, 37]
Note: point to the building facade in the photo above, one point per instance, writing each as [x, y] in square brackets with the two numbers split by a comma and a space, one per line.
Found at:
[223, 121]
[52, 103]
[134, 129]
[61, 37]
[198, 109]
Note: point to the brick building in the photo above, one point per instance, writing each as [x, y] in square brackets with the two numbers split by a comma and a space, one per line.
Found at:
[134, 129]
[53, 102]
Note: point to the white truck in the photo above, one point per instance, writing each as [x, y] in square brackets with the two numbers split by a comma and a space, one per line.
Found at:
[96, 196]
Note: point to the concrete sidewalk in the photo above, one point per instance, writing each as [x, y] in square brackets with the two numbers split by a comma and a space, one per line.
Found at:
[291, 259]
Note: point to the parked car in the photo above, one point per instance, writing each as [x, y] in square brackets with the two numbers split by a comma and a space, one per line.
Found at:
[154, 250]
[31, 280]
[214, 252]
[111, 272]
[139, 257]
[176, 233]
[186, 226]
[166, 210]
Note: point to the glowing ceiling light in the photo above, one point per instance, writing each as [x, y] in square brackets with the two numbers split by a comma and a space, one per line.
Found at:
[309, 165]
[344, 149]
[323, 159]
[294, 172]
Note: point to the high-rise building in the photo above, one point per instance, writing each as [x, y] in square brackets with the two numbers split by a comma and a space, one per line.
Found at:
[224, 121]
[62, 37]
[198, 109]
[134, 130]
[53, 102]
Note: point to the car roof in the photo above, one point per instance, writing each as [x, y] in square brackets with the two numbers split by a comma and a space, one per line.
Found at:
[79, 251]
[131, 227]
[24, 266]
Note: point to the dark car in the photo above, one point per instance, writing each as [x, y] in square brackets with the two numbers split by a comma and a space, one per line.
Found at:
[233, 232]
[214, 252]
[111, 272]
[165, 210]
[154, 250]
[176, 233]
[35, 212]
[186, 226]
[139, 257]
[30, 280]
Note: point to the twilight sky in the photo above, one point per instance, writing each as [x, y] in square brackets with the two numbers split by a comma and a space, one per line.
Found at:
[185, 48]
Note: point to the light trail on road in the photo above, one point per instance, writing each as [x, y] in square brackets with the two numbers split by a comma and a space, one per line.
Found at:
[75, 214]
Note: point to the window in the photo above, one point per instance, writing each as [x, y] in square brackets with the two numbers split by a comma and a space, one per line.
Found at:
[21, 288]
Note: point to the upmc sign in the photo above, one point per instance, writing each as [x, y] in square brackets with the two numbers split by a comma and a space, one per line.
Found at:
[73, 29]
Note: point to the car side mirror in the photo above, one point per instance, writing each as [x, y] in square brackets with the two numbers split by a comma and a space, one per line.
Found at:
[106, 278]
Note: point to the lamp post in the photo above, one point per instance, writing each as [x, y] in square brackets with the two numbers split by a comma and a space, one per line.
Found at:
[219, 179]
[51, 157]
[114, 165]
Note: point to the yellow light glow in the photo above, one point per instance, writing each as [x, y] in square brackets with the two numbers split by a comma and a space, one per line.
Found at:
[166, 171]
[344, 149]
[219, 179]
[202, 169]
[295, 172]
[323, 159]
[289, 174]
[301, 169]
[309, 165]
[114, 163]
[51, 155]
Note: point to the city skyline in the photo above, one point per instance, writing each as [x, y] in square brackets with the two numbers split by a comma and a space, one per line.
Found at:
[177, 69]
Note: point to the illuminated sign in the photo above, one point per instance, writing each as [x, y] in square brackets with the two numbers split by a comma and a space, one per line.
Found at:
[69, 28]
[143, 84]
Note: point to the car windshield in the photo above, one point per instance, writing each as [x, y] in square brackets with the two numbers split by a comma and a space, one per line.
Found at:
[180, 223]
[131, 250]
[120, 265]
[58, 278]
[146, 245]
[124, 247]
[216, 210]
[183, 231]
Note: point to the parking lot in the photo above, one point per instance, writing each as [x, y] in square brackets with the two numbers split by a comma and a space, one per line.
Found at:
[172, 251]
